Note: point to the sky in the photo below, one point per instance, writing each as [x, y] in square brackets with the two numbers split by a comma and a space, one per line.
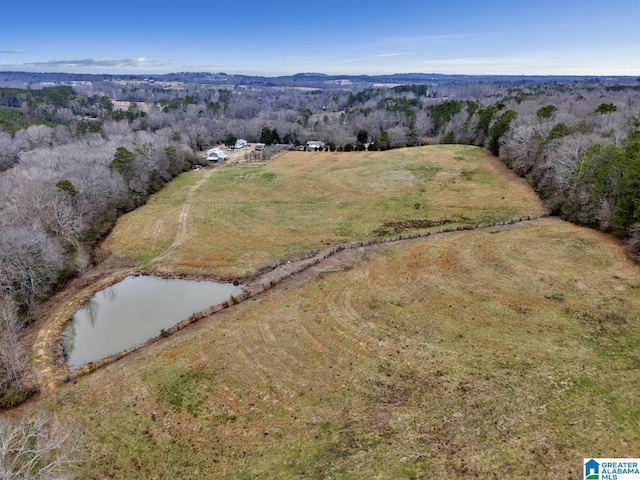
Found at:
[511, 37]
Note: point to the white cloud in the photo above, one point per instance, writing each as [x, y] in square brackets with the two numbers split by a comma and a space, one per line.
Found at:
[102, 64]
[399, 54]
[423, 38]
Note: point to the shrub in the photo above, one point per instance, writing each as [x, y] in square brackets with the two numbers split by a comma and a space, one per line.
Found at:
[604, 108]
[559, 130]
[546, 111]
[449, 137]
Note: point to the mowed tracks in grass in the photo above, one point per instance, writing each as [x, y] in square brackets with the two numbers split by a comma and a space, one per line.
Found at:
[183, 219]
[464, 354]
[458, 355]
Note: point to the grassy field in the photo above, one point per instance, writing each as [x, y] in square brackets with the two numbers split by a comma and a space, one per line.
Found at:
[491, 353]
[243, 217]
[459, 356]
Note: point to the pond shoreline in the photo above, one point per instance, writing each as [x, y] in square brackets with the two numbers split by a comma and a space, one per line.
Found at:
[135, 309]
[48, 353]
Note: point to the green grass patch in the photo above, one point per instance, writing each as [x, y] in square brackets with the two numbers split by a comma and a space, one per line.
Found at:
[184, 390]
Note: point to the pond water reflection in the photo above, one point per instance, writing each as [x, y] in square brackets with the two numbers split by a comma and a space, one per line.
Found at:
[133, 311]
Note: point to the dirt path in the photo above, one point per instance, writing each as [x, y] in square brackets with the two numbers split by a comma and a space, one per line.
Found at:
[183, 219]
[47, 353]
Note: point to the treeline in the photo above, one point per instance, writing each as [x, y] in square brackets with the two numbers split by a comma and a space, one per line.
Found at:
[63, 192]
[59, 104]
[581, 152]
[73, 162]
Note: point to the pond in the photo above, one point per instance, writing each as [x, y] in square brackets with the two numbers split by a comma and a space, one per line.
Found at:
[133, 311]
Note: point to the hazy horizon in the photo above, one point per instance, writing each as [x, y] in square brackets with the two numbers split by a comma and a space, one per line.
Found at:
[462, 37]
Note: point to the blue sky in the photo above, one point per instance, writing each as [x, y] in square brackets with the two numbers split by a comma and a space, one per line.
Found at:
[335, 37]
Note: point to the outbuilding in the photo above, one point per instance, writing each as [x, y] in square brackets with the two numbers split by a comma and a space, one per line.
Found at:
[314, 145]
[216, 155]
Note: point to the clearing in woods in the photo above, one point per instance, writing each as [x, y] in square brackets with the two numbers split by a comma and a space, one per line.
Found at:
[242, 218]
[470, 354]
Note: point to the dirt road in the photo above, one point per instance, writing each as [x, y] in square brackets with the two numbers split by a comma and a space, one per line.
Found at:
[183, 221]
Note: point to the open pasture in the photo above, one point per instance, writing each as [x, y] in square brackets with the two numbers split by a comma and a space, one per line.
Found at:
[244, 217]
[475, 354]
[487, 353]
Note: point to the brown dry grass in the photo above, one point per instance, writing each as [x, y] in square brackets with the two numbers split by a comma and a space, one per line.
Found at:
[486, 354]
[472, 354]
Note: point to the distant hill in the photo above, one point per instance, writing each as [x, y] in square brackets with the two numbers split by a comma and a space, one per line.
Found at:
[317, 80]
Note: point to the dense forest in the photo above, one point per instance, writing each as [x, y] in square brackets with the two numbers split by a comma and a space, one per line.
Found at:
[75, 157]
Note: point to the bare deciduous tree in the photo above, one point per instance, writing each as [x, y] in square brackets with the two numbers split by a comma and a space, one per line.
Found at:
[522, 144]
[423, 125]
[36, 448]
[30, 262]
[13, 363]
[563, 156]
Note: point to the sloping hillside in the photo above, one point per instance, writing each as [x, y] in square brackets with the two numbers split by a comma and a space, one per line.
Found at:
[469, 354]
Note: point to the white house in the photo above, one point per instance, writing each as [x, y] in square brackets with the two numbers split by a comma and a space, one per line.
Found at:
[240, 143]
[216, 155]
[314, 145]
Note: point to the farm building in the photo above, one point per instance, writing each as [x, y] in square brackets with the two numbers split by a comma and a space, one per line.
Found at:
[216, 155]
[314, 145]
